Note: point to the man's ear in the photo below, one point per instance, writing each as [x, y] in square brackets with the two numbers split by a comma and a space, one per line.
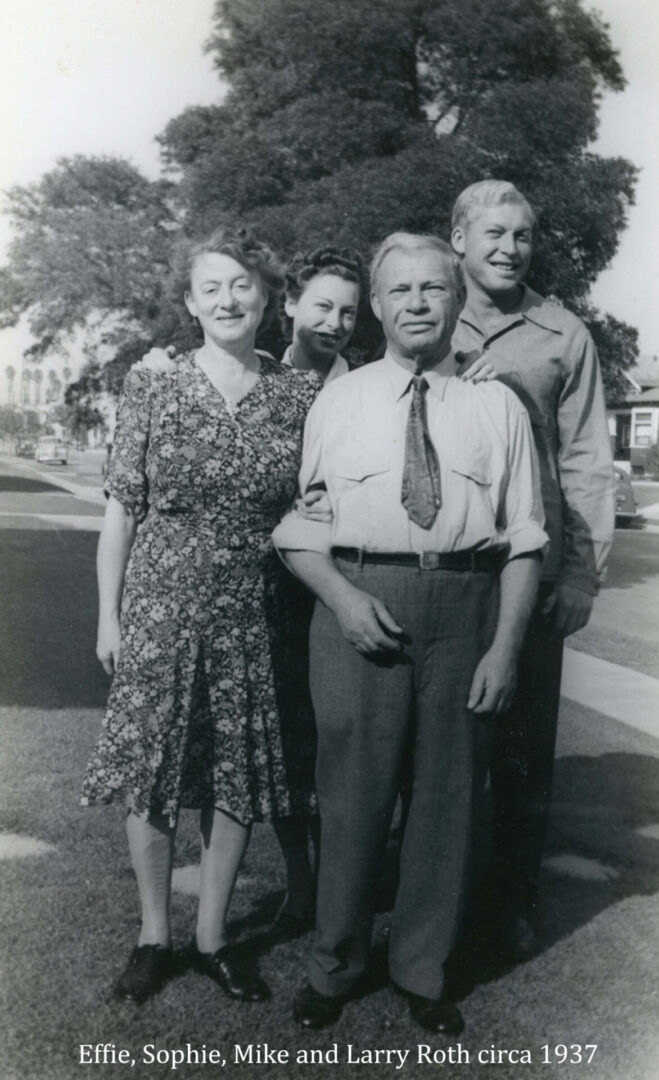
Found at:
[458, 240]
[376, 305]
[289, 306]
[190, 304]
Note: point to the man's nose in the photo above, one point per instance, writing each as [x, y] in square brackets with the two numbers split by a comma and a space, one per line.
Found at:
[416, 300]
[508, 243]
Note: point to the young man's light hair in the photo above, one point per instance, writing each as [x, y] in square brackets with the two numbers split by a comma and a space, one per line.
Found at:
[486, 193]
[404, 241]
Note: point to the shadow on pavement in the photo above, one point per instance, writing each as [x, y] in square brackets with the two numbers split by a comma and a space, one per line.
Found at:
[634, 560]
[600, 806]
[25, 484]
[48, 629]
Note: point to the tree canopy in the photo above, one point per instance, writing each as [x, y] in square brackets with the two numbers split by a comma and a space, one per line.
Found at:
[343, 120]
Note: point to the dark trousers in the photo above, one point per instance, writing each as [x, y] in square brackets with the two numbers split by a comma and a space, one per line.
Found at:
[370, 714]
[522, 766]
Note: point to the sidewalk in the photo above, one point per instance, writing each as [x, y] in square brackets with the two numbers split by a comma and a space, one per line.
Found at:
[613, 690]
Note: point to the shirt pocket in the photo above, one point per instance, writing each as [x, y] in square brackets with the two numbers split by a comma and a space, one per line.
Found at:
[469, 497]
[476, 469]
[351, 472]
[362, 500]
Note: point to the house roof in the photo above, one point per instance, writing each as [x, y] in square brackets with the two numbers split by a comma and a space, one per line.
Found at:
[646, 398]
[645, 372]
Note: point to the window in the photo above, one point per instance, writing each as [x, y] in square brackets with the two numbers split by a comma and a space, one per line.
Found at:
[643, 428]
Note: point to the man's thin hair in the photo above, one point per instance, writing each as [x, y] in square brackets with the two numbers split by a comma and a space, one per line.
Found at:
[405, 241]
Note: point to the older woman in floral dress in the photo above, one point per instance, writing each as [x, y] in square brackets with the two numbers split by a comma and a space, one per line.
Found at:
[204, 462]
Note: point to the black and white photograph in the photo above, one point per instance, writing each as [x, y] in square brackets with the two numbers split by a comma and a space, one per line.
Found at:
[329, 539]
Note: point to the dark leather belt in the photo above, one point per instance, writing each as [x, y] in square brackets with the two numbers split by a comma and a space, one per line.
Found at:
[476, 561]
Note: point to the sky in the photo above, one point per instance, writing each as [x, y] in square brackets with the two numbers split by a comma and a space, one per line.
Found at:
[105, 76]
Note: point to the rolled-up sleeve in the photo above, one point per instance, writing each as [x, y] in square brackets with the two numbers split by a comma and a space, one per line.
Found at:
[127, 478]
[586, 472]
[521, 514]
[295, 532]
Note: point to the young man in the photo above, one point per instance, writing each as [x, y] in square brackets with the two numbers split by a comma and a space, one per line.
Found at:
[545, 354]
[433, 488]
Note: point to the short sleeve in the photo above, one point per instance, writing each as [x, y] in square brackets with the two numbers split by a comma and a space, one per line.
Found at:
[127, 479]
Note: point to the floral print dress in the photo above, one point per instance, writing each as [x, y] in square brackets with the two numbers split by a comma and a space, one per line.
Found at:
[204, 708]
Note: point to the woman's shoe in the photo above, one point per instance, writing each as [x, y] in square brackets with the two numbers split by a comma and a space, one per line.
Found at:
[229, 973]
[147, 971]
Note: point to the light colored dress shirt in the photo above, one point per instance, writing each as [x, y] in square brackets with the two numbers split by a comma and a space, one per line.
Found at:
[545, 354]
[338, 367]
[355, 444]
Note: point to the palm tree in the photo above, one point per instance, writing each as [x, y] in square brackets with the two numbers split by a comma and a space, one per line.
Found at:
[54, 387]
[10, 372]
[38, 379]
[26, 379]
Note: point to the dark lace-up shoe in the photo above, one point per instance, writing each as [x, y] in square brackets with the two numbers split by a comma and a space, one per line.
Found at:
[314, 1010]
[147, 971]
[437, 1017]
[230, 974]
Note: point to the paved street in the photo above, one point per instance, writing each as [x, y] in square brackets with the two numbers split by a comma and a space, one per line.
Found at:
[595, 980]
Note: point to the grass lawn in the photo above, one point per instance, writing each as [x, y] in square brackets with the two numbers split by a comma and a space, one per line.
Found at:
[69, 920]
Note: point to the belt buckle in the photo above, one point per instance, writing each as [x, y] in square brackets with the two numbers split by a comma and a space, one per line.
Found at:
[429, 560]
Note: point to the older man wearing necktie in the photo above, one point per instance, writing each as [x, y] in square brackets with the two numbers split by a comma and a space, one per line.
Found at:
[425, 579]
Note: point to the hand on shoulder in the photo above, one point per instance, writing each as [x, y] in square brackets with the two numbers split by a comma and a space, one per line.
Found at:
[480, 371]
[159, 361]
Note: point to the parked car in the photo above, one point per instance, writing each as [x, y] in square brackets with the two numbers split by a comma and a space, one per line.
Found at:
[51, 451]
[627, 512]
[25, 448]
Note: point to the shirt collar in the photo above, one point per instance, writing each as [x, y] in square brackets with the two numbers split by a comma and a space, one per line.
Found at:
[401, 379]
[532, 308]
[338, 367]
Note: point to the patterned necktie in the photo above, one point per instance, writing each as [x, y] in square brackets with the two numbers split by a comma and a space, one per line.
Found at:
[421, 490]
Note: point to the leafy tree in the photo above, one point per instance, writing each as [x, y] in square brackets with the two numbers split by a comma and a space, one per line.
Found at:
[92, 241]
[16, 422]
[617, 345]
[81, 399]
[11, 421]
[344, 121]
[32, 426]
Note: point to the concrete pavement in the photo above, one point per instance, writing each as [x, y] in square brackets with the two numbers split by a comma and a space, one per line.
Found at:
[613, 690]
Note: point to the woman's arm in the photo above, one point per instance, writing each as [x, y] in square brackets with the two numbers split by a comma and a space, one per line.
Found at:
[114, 546]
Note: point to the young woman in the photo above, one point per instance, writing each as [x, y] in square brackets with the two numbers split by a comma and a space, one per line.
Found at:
[322, 296]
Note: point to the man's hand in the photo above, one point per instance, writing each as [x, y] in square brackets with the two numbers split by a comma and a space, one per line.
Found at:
[480, 371]
[494, 682]
[160, 361]
[107, 643]
[366, 623]
[567, 610]
[315, 505]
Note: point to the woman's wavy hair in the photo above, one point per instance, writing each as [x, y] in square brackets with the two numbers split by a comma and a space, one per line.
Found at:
[243, 246]
[345, 263]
